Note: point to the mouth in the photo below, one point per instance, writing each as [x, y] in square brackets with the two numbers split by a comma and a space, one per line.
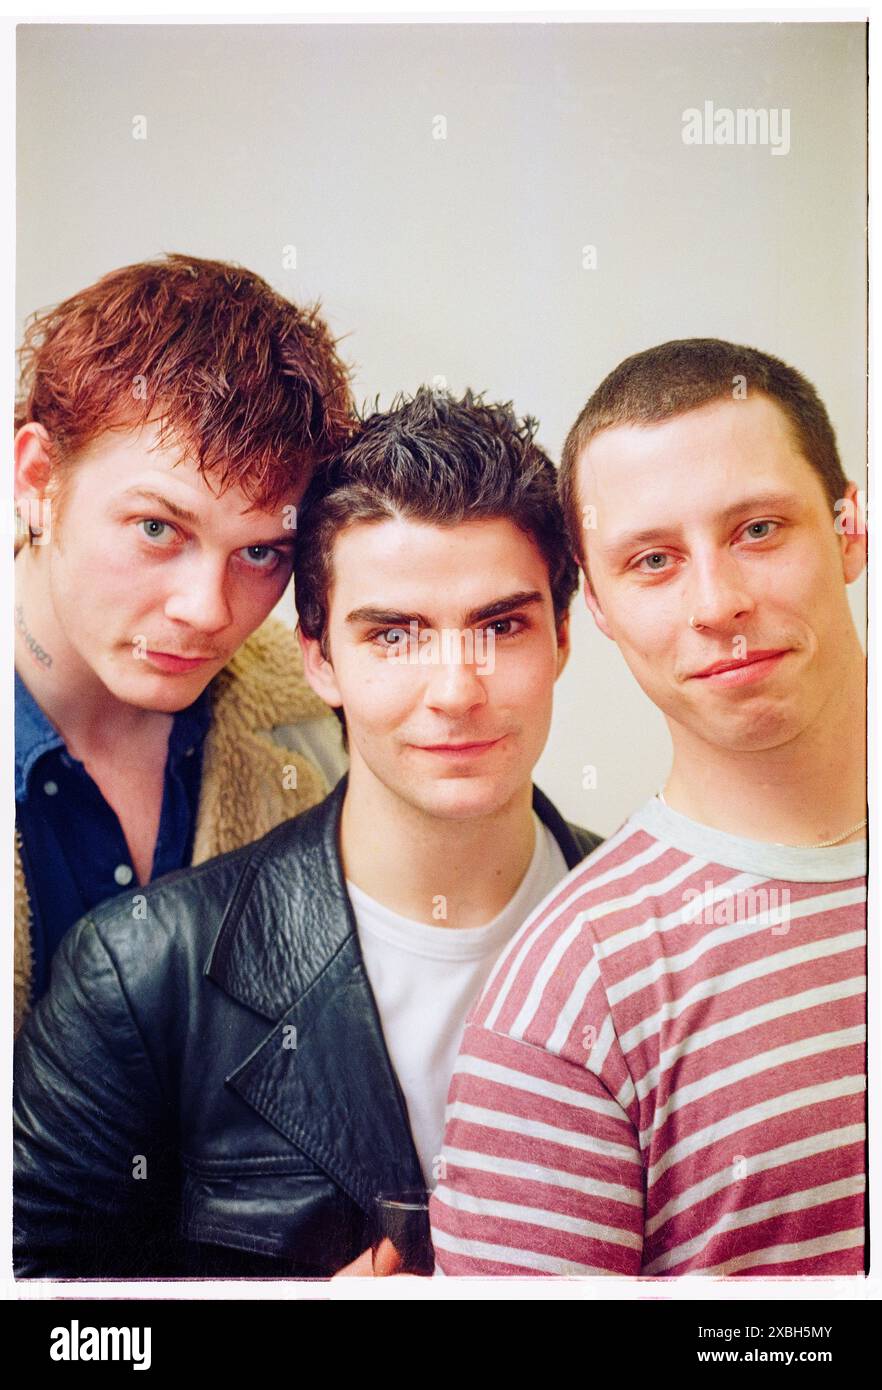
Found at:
[456, 751]
[753, 667]
[176, 665]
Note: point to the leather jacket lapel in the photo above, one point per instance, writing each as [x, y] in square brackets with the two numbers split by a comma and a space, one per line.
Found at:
[288, 948]
[575, 842]
[323, 1078]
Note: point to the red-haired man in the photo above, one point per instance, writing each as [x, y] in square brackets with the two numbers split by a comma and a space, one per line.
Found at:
[169, 420]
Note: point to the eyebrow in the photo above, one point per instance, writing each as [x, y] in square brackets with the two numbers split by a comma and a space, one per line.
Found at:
[759, 502]
[388, 617]
[191, 519]
[179, 513]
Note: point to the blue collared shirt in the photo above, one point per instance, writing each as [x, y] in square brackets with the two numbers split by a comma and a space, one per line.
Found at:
[74, 852]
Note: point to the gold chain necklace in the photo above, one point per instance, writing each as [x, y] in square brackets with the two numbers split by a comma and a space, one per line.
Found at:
[824, 844]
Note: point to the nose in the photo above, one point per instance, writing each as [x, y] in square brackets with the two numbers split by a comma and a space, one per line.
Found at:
[199, 595]
[718, 598]
[453, 686]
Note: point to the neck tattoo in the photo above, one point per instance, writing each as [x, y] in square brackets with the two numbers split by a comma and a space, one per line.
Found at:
[40, 656]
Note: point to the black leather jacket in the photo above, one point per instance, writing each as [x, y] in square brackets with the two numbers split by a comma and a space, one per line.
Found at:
[205, 1089]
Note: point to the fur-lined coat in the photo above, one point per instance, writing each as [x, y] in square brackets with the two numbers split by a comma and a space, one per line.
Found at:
[252, 779]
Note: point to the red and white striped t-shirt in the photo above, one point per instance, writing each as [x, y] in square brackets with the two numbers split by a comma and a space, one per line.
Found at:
[665, 1073]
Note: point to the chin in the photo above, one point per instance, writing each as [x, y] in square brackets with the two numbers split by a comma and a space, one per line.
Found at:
[762, 733]
[159, 693]
[465, 799]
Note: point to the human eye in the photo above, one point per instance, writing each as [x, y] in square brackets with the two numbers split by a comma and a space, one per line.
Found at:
[760, 530]
[159, 532]
[261, 557]
[391, 638]
[655, 562]
[505, 627]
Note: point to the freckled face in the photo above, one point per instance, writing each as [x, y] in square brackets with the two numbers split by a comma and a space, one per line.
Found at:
[443, 654]
[155, 579]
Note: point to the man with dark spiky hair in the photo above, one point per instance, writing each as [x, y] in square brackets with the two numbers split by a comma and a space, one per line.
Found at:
[170, 418]
[274, 1040]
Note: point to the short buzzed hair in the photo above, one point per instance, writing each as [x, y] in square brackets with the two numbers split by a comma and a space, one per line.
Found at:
[682, 375]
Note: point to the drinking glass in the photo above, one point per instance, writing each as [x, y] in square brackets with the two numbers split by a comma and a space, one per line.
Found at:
[402, 1243]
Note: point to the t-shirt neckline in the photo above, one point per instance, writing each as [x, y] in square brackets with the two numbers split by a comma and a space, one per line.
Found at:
[800, 865]
[423, 938]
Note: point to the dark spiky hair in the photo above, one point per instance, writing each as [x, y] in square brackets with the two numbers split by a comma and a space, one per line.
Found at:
[440, 460]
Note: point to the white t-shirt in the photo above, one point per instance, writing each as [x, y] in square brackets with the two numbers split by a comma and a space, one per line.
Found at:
[425, 979]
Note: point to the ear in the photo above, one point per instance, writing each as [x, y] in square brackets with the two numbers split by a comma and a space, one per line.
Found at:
[318, 670]
[851, 530]
[33, 461]
[563, 642]
[595, 609]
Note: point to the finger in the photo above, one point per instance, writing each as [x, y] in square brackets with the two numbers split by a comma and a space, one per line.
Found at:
[360, 1268]
[387, 1260]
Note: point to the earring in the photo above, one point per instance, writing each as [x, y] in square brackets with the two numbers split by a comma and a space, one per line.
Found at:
[25, 530]
[32, 521]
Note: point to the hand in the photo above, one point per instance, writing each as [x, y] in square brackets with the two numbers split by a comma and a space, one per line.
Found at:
[367, 1266]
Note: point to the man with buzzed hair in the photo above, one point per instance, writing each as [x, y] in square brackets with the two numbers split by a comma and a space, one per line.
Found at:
[666, 1073]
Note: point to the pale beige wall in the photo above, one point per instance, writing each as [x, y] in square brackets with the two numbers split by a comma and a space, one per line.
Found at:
[462, 257]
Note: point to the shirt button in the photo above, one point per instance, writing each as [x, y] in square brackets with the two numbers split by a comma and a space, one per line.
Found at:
[123, 874]
[50, 788]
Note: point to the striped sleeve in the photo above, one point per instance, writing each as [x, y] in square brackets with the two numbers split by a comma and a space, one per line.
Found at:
[647, 1088]
[541, 1165]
